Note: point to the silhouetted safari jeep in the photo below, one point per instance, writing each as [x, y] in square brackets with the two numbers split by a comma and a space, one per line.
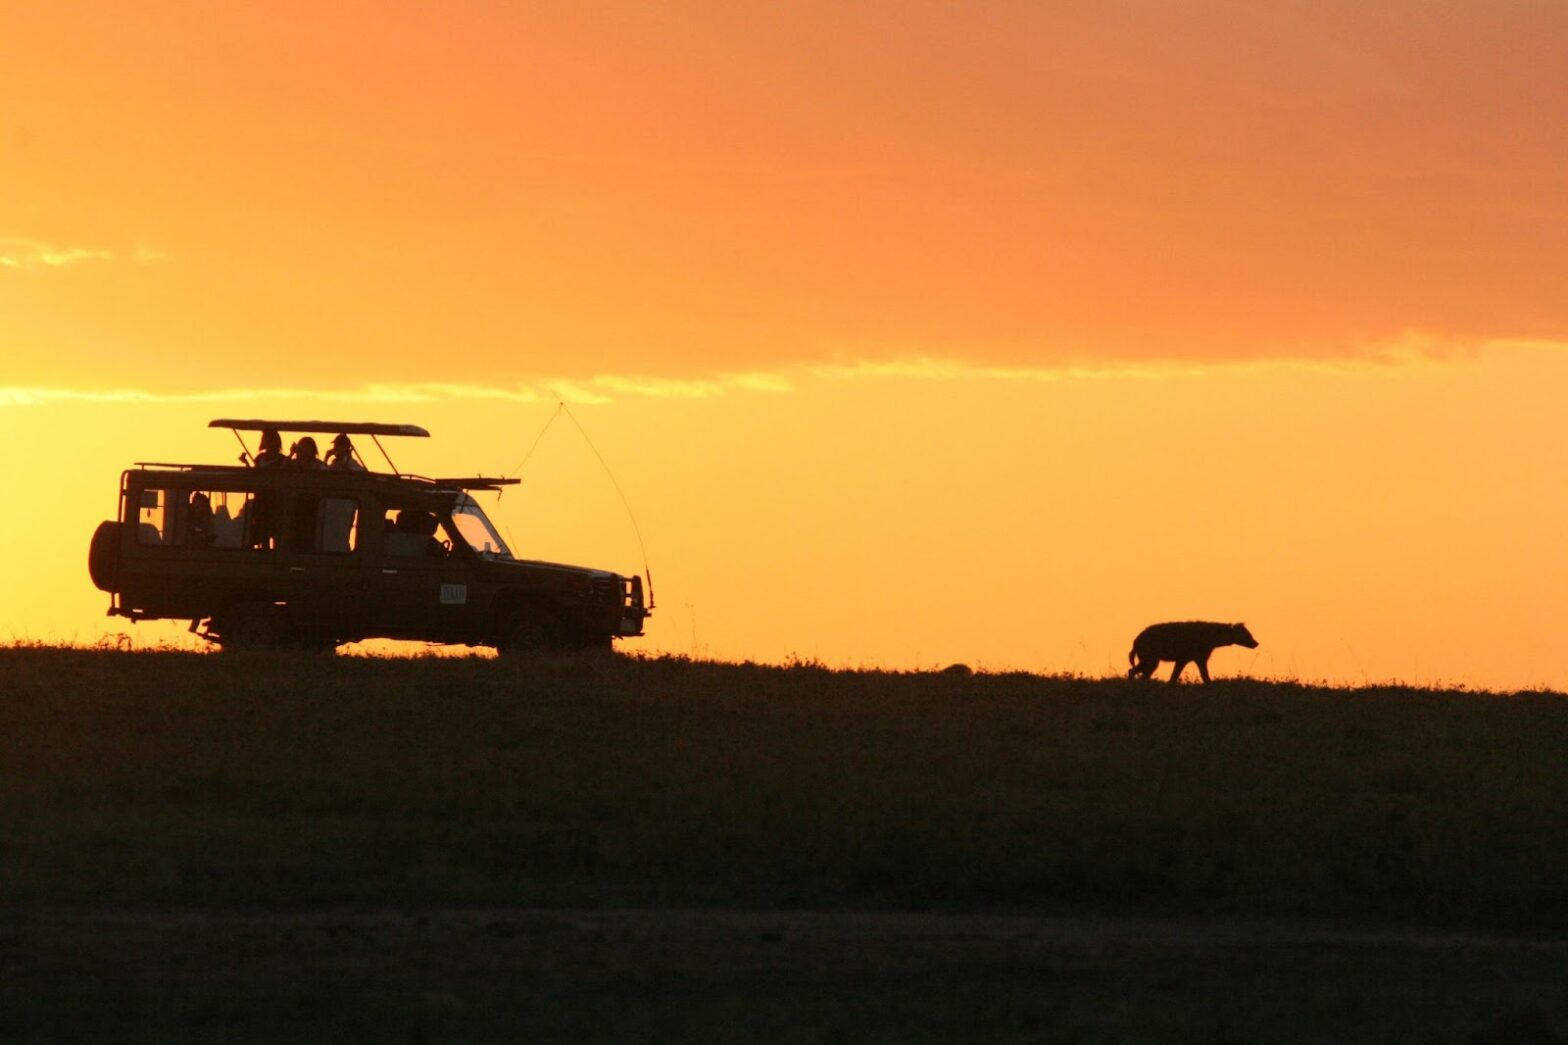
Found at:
[277, 552]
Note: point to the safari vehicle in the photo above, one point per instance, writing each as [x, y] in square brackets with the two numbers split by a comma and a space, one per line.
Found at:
[270, 553]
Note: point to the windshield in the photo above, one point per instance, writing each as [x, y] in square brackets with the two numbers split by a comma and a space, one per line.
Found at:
[476, 529]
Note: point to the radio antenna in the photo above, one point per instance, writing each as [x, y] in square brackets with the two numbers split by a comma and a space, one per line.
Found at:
[559, 406]
[621, 493]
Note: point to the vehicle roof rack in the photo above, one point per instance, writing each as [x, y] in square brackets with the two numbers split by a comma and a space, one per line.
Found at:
[477, 482]
[371, 428]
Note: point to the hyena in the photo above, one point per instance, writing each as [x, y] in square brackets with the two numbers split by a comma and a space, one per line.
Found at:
[1183, 642]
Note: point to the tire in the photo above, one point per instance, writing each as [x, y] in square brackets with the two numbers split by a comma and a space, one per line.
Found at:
[103, 556]
[597, 642]
[313, 644]
[251, 626]
[531, 633]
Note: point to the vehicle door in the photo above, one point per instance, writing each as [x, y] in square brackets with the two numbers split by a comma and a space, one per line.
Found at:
[154, 566]
[330, 576]
[190, 547]
[424, 579]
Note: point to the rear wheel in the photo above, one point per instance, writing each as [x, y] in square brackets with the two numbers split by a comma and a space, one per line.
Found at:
[531, 633]
[251, 626]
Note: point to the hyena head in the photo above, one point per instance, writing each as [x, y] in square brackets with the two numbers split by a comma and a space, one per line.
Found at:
[1242, 637]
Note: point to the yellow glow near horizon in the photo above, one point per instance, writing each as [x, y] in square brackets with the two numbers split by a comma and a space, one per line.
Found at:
[1370, 524]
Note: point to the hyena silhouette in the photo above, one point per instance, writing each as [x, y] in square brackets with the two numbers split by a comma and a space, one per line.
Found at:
[1184, 642]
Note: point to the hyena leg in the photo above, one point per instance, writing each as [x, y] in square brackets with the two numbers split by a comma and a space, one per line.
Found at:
[1177, 670]
[1203, 668]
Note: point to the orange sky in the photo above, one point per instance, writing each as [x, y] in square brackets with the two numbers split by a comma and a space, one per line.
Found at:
[952, 303]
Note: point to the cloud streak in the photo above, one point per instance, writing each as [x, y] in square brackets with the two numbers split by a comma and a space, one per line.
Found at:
[602, 389]
[1413, 348]
[17, 395]
[697, 388]
[597, 390]
[22, 254]
[17, 252]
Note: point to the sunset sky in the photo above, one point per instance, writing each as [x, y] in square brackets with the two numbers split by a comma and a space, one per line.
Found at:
[914, 332]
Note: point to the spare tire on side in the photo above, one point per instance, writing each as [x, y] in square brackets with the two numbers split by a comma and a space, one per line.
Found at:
[103, 556]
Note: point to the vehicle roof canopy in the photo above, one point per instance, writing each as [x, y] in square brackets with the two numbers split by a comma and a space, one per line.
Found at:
[476, 482]
[323, 477]
[347, 427]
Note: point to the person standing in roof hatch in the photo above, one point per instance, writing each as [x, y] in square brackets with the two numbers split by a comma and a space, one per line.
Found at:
[271, 453]
[263, 513]
[341, 456]
[305, 454]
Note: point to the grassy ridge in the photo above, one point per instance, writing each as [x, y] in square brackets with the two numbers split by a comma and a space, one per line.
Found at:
[165, 779]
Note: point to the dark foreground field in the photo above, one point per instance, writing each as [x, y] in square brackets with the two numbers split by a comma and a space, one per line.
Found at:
[202, 848]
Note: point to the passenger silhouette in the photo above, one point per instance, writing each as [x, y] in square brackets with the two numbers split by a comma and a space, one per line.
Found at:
[264, 511]
[341, 455]
[271, 452]
[198, 531]
[413, 533]
[261, 515]
[305, 455]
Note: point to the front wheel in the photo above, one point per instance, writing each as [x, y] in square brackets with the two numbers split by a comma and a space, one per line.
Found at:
[594, 642]
[314, 644]
[531, 634]
[251, 626]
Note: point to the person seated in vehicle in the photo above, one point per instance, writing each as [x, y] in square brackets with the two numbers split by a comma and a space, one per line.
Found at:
[424, 526]
[198, 521]
[260, 518]
[304, 454]
[341, 456]
[413, 535]
[227, 531]
[271, 453]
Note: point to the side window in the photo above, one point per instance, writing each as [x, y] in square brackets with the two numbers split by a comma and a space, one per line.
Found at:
[337, 526]
[410, 533]
[223, 519]
[152, 517]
